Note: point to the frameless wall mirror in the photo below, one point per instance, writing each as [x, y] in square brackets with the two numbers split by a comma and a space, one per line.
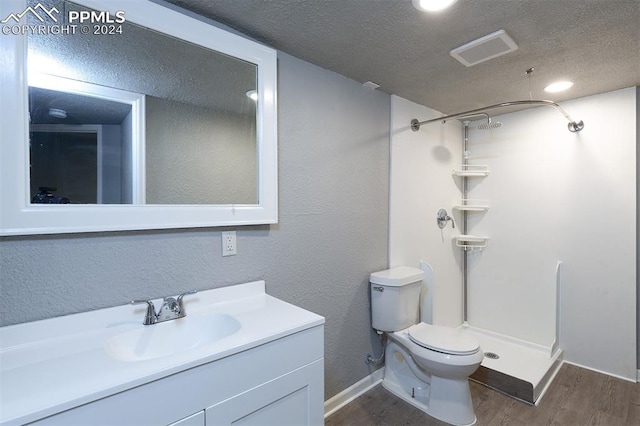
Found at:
[135, 117]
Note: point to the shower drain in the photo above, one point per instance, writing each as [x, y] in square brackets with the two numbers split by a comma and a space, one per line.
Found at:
[491, 355]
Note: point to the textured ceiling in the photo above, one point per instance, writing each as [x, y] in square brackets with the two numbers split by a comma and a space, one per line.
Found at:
[144, 61]
[80, 109]
[594, 43]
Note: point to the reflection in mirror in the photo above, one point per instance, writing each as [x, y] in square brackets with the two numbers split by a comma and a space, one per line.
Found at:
[199, 138]
[64, 165]
[196, 155]
[85, 141]
[80, 148]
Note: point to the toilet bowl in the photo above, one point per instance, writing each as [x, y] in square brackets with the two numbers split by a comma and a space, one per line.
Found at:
[443, 351]
[446, 366]
[426, 365]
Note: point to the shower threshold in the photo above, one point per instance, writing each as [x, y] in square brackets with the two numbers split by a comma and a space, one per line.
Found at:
[517, 368]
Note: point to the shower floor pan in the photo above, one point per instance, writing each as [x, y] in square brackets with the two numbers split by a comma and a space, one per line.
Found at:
[514, 367]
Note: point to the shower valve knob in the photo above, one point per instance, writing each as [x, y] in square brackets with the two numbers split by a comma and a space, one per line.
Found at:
[442, 217]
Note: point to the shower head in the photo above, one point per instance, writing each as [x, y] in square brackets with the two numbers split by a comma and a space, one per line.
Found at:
[489, 124]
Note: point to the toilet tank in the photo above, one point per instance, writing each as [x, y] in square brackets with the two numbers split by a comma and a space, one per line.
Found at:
[395, 297]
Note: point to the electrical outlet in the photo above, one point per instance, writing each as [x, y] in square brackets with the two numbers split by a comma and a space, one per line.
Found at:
[229, 247]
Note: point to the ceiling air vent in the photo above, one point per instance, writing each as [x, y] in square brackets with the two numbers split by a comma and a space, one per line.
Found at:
[485, 48]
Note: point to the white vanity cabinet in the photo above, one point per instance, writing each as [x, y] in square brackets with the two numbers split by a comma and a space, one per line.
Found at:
[286, 400]
[283, 401]
[239, 356]
[278, 383]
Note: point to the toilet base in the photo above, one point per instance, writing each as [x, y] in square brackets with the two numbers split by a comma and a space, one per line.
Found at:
[444, 399]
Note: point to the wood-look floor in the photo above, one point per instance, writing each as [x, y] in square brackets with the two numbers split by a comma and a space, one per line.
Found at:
[576, 397]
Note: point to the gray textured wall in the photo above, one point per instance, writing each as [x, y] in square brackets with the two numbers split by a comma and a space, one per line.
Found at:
[196, 155]
[332, 231]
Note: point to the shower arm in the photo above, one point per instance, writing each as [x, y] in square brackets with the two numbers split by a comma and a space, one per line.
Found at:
[573, 125]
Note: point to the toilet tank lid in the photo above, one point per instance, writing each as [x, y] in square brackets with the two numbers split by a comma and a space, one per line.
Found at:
[397, 277]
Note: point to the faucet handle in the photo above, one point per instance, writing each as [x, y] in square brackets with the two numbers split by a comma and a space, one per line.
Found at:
[150, 317]
[442, 217]
[186, 293]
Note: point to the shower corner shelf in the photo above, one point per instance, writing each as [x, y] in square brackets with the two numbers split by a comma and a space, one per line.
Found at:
[471, 241]
[469, 170]
[472, 205]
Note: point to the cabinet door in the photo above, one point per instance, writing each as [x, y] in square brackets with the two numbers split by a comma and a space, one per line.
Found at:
[196, 419]
[294, 399]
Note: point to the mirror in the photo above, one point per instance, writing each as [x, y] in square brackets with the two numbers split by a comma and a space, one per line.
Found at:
[83, 139]
[138, 118]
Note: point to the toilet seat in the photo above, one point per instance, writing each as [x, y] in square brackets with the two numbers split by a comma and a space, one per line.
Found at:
[443, 339]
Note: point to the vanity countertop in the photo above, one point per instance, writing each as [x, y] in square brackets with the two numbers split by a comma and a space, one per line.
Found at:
[53, 365]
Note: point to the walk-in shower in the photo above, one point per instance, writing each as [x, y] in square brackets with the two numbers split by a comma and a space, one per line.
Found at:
[520, 368]
[517, 367]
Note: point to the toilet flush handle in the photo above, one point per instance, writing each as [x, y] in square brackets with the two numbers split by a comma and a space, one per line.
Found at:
[377, 288]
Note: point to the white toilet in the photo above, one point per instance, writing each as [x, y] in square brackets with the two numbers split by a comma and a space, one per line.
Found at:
[426, 365]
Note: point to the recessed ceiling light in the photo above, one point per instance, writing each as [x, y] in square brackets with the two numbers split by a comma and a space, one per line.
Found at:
[432, 5]
[57, 113]
[558, 86]
[252, 94]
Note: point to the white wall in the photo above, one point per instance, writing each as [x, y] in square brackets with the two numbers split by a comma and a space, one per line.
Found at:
[557, 195]
[554, 195]
[421, 184]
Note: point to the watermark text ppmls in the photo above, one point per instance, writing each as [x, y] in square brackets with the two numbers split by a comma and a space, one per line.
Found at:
[51, 21]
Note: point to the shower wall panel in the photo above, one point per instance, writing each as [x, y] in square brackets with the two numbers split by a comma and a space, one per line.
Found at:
[557, 195]
[421, 183]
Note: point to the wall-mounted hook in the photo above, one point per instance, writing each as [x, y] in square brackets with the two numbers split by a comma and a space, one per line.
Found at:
[442, 217]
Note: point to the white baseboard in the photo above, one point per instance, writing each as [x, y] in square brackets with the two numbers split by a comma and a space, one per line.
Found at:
[338, 401]
[628, 379]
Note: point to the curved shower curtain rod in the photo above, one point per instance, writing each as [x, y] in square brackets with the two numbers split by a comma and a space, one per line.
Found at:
[573, 125]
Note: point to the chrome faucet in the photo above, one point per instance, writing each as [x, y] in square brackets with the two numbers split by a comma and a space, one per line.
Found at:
[171, 309]
[443, 217]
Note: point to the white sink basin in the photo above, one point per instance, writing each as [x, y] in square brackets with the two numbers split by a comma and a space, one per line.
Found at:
[171, 337]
